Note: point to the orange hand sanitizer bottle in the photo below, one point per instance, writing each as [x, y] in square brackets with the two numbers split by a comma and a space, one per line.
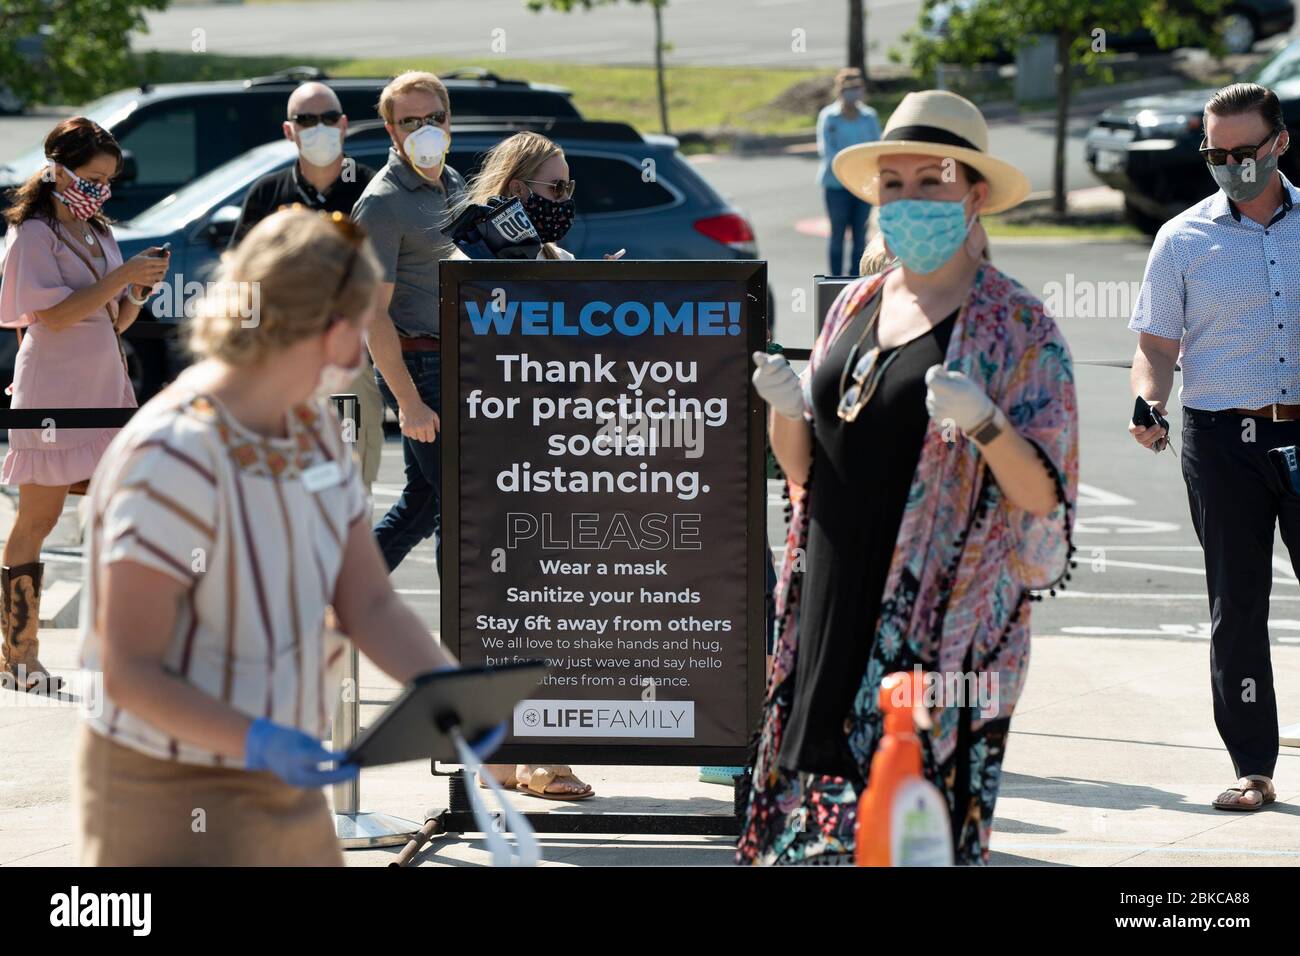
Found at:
[902, 817]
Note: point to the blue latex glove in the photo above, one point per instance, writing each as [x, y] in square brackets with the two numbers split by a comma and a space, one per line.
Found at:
[293, 756]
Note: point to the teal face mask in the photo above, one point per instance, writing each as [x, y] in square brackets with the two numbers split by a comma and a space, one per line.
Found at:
[924, 233]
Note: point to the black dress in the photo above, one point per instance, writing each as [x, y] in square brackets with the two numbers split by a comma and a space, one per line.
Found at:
[861, 475]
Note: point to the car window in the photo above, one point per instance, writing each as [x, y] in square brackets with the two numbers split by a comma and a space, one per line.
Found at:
[164, 142]
[257, 115]
[225, 185]
[611, 184]
[106, 111]
[1282, 70]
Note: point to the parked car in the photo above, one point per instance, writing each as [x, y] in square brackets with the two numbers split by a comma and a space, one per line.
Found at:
[1147, 147]
[173, 133]
[634, 192]
[1242, 24]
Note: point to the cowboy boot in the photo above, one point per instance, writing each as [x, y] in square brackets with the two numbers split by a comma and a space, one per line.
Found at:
[20, 614]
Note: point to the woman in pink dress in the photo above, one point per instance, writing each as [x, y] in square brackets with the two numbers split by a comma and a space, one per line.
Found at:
[69, 295]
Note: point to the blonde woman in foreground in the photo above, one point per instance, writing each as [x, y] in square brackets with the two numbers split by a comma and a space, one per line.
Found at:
[224, 519]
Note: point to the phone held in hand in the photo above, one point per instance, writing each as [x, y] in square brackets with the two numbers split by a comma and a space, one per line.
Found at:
[163, 251]
[1145, 416]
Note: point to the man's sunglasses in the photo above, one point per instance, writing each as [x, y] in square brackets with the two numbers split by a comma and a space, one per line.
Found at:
[308, 120]
[563, 187]
[1218, 157]
[411, 123]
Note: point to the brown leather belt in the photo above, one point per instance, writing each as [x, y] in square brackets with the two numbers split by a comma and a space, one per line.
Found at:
[419, 343]
[1278, 413]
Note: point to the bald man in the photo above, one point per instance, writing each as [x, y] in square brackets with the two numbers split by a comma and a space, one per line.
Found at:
[323, 178]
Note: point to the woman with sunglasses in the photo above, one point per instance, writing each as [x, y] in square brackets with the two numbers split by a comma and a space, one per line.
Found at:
[932, 446]
[68, 295]
[229, 513]
[533, 169]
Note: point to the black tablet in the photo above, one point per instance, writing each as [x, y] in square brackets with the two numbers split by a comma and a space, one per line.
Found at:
[413, 726]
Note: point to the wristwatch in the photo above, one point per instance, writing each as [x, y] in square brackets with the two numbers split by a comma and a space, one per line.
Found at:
[988, 430]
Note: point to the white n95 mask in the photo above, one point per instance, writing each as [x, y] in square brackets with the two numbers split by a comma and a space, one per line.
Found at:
[320, 145]
[427, 146]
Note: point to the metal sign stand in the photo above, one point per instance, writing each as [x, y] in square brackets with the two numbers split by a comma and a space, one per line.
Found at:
[459, 817]
[356, 829]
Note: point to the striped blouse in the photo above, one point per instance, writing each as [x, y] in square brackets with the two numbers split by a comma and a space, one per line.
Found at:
[255, 528]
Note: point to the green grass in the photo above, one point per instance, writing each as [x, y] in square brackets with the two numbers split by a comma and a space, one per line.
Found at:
[699, 98]
[996, 228]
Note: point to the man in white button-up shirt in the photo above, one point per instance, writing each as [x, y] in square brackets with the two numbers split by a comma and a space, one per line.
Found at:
[1222, 288]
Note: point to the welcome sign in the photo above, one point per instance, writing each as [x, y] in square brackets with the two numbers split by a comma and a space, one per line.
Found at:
[604, 501]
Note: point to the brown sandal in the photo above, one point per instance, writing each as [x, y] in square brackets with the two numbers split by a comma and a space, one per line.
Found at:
[1233, 797]
[535, 782]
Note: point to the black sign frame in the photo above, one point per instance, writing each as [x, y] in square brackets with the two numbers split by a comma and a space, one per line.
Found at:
[751, 272]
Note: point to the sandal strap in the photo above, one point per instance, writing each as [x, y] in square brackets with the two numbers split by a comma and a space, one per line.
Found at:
[1255, 782]
[546, 774]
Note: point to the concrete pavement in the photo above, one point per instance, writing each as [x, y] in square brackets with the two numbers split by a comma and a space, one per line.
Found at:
[1112, 761]
[1113, 756]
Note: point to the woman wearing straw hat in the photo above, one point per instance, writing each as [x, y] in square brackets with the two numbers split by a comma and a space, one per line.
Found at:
[932, 449]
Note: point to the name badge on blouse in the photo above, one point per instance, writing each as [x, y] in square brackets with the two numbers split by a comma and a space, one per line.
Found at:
[322, 476]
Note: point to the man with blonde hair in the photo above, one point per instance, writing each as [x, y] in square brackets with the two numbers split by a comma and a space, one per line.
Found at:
[405, 209]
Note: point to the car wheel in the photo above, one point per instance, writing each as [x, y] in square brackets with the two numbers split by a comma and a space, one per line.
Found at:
[1147, 223]
[1238, 32]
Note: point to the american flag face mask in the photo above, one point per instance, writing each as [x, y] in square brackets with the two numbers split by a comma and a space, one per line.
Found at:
[83, 197]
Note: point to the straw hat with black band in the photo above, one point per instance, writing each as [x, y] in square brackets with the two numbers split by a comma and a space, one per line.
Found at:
[933, 123]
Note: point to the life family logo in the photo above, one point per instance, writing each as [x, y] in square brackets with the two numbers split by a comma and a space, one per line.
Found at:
[604, 718]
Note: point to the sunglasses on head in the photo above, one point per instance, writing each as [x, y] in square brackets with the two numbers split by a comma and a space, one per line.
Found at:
[563, 187]
[1218, 157]
[308, 120]
[411, 123]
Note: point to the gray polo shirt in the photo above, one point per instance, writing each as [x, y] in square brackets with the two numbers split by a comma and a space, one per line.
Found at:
[404, 215]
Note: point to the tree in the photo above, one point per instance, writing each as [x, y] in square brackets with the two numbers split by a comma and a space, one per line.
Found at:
[857, 37]
[657, 6]
[977, 31]
[67, 50]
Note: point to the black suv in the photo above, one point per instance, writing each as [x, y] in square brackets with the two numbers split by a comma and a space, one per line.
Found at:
[174, 133]
[1147, 147]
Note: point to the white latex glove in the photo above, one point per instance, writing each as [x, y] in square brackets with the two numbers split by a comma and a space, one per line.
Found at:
[951, 395]
[777, 382]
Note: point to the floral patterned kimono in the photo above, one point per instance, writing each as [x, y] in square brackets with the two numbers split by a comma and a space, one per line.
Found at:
[956, 598]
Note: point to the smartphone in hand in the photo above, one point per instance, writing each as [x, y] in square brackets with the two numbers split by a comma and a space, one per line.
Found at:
[163, 251]
[1145, 416]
